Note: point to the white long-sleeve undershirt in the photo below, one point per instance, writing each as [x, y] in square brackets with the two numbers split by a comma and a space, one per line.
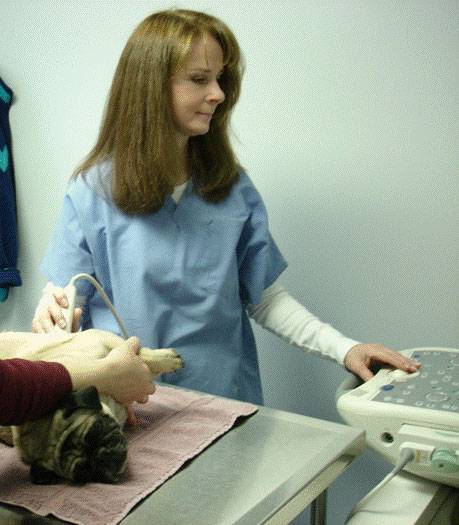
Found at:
[285, 317]
[282, 315]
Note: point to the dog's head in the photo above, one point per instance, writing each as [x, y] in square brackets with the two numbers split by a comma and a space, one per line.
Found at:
[78, 442]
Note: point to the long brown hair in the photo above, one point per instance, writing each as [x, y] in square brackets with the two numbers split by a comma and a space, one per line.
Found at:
[138, 133]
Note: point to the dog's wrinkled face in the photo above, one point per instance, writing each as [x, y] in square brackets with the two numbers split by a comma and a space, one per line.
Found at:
[78, 442]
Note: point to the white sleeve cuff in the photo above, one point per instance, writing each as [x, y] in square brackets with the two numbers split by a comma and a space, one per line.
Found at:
[284, 316]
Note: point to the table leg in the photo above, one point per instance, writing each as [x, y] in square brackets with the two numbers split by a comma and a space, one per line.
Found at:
[319, 509]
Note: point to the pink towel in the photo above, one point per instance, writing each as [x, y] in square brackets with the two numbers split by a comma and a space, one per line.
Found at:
[175, 425]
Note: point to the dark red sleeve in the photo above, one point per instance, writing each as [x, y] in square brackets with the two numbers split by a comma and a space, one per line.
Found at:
[30, 389]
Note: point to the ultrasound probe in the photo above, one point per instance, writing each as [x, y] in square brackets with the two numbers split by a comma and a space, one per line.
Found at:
[71, 292]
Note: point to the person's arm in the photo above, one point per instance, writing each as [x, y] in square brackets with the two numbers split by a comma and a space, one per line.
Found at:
[29, 390]
[284, 316]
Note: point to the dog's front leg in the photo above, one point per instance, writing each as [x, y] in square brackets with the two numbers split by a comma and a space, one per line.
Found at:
[161, 361]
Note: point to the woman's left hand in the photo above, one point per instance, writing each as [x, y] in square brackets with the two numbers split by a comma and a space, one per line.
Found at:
[360, 358]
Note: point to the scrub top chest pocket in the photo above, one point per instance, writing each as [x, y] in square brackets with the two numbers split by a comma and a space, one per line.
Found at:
[209, 251]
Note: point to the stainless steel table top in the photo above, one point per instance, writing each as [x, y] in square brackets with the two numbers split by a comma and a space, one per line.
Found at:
[246, 476]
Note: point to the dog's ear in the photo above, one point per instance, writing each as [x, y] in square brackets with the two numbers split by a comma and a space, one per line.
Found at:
[6, 436]
[85, 398]
[41, 475]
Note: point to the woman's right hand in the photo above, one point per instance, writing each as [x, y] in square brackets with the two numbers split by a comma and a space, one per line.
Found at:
[48, 314]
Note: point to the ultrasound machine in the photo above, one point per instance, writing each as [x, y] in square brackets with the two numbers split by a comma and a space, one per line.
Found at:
[412, 420]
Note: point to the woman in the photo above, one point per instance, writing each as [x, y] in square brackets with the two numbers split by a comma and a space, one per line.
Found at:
[163, 216]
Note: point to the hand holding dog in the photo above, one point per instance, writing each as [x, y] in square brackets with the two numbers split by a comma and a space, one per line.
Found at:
[121, 374]
[92, 358]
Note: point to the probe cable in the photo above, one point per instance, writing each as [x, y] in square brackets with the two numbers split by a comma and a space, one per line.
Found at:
[406, 455]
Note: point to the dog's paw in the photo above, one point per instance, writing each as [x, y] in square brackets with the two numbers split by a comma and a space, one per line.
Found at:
[161, 361]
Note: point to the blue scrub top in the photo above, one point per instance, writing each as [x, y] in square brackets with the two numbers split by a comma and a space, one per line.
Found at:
[180, 277]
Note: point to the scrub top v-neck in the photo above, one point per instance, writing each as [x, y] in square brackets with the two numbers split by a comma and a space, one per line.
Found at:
[180, 277]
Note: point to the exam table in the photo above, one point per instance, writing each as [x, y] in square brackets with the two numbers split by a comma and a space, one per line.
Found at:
[267, 469]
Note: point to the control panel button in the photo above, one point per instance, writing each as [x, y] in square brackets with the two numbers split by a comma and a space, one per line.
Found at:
[437, 396]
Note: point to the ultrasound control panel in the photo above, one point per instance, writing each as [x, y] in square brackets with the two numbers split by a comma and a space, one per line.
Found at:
[417, 411]
[435, 386]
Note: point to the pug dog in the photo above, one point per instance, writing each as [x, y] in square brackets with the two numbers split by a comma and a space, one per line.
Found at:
[82, 440]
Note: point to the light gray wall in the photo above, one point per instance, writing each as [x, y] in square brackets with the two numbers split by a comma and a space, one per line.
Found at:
[348, 125]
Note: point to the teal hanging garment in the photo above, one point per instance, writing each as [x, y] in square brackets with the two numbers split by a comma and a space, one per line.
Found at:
[9, 274]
